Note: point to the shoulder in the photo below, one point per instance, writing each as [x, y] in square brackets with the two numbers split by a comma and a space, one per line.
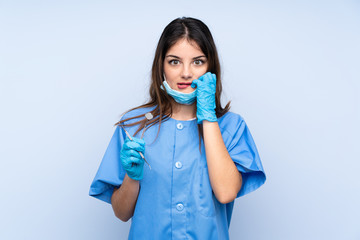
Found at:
[230, 122]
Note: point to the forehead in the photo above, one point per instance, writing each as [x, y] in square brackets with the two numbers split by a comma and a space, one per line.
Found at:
[185, 48]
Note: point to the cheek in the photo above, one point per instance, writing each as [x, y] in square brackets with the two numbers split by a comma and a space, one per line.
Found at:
[201, 70]
[168, 70]
[169, 76]
[206, 67]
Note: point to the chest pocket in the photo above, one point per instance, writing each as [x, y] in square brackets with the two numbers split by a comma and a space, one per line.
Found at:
[206, 203]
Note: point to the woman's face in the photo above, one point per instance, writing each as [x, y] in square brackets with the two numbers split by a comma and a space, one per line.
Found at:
[183, 63]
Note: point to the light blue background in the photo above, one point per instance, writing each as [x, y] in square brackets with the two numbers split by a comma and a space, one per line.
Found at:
[68, 69]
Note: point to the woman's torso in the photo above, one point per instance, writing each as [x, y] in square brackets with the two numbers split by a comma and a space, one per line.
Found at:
[175, 199]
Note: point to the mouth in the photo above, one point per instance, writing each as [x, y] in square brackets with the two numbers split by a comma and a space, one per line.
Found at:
[183, 85]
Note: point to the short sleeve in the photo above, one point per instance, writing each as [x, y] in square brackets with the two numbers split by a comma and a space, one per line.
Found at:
[243, 152]
[110, 172]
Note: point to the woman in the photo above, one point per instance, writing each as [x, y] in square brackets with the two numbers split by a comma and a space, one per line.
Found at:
[202, 156]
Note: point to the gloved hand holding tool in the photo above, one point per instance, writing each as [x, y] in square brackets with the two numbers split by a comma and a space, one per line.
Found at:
[131, 159]
[205, 97]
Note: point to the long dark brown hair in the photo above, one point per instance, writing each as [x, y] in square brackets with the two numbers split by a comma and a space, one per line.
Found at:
[190, 29]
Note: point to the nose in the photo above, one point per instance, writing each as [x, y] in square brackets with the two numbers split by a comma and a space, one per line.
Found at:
[186, 73]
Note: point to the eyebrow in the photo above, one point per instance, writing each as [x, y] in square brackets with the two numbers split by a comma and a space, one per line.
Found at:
[180, 58]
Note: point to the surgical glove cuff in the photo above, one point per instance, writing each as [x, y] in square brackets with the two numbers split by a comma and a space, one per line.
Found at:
[137, 176]
[206, 115]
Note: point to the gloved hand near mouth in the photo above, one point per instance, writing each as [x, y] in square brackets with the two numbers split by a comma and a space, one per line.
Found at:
[205, 97]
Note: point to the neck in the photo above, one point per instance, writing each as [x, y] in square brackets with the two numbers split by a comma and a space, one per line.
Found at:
[183, 112]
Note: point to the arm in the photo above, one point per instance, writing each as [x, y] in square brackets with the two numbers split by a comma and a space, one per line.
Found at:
[225, 178]
[123, 199]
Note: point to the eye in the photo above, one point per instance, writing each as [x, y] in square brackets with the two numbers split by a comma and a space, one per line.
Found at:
[198, 62]
[174, 62]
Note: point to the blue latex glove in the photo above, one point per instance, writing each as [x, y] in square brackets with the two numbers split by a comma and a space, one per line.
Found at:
[131, 159]
[205, 97]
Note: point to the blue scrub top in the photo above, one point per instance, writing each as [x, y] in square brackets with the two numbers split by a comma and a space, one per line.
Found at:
[175, 199]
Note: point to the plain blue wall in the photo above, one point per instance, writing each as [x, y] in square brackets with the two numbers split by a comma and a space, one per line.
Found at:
[68, 69]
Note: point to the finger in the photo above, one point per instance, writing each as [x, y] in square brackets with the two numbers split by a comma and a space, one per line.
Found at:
[194, 83]
[213, 79]
[137, 160]
[139, 141]
[213, 76]
[133, 153]
[127, 139]
[134, 145]
[205, 76]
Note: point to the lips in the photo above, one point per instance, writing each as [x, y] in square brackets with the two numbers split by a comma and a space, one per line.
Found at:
[183, 85]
